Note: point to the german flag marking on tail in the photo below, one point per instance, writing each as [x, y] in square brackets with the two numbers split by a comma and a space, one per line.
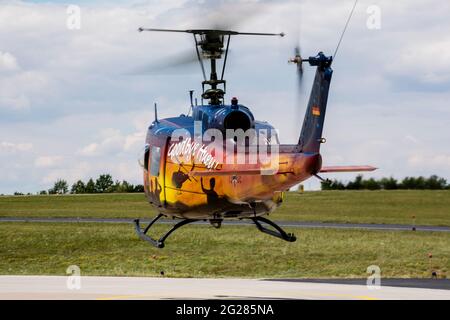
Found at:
[316, 111]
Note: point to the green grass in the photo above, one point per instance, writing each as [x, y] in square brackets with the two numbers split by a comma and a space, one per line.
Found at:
[429, 207]
[94, 206]
[200, 251]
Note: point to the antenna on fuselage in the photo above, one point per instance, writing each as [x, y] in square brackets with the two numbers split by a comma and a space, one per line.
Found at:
[191, 96]
[156, 112]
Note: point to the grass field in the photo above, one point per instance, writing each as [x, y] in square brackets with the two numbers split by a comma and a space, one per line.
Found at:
[233, 251]
[429, 207]
[200, 251]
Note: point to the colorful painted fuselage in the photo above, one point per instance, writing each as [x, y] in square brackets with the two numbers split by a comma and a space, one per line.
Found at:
[196, 188]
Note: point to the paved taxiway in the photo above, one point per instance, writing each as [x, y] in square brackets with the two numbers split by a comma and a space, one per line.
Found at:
[284, 224]
[119, 288]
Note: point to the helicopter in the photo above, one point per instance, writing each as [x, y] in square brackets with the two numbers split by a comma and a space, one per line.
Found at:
[220, 163]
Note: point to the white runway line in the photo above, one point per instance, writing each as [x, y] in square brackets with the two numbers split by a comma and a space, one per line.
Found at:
[112, 288]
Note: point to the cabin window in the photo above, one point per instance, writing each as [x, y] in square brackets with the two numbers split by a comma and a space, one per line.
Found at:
[268, 138]
[144, 157]
[155, 161]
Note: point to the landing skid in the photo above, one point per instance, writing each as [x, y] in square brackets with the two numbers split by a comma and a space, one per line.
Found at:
[142, 233]
[278, 232]
[157, 243]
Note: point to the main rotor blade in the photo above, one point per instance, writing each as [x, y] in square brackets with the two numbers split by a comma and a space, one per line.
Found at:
[281, 34]
[162, 30]
[220, 32]
[182, 59]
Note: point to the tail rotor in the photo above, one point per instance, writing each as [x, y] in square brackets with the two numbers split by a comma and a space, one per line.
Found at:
[297, 59]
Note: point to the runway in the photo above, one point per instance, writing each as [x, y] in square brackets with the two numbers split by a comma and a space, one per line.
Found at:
[121, 288]
[284, 224]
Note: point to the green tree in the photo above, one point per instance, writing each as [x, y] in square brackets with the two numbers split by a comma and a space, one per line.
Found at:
[127, 187]
[116, 187]
[104, 183]
[389, 183]
[332, 185]
[413, 183]
[90, 186]
[407, 183]
[357, 184]
[78, 187]
[325, 185]
[371, 184]
[60, 187]
[435, 183]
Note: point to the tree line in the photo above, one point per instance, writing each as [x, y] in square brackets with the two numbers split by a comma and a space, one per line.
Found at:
[103, 184]
[409, 183]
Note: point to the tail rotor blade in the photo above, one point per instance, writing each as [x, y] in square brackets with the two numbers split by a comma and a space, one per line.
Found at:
[297, 59]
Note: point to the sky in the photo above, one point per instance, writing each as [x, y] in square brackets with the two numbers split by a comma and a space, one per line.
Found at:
[74, 105]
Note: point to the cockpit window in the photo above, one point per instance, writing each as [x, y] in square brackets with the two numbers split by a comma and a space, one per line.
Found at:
[144, 157]
[155, 161]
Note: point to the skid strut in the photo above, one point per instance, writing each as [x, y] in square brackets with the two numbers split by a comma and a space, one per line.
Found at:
[142, 233]
[157, 243]
[278, 232]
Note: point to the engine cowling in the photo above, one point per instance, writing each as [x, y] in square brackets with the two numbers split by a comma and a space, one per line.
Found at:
[234, 117]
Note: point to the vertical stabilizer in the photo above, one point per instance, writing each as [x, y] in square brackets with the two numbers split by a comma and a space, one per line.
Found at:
[311, 134]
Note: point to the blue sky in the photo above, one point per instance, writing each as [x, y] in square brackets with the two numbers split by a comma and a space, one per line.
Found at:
[70, 107]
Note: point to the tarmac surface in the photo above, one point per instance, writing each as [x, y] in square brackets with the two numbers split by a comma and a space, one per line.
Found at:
[121, 288]
[284, 224]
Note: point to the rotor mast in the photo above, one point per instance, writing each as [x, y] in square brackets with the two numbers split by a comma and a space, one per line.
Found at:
[210, 44]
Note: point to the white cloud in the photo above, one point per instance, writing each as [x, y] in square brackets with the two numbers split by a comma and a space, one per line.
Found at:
[8, 62]
[437, 162]
[48, 161]
[76, 171]
[21, 89]
[114, 142]
[89, 150]
[427, 61]
[6, 146]
[134, 141]
[412, 139]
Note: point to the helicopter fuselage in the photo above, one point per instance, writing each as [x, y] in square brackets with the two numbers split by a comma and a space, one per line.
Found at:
[193, 169]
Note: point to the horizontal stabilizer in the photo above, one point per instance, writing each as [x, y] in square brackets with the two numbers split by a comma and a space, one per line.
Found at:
[347, 169]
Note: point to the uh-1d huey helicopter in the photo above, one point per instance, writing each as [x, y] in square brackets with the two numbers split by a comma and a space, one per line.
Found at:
[191, 178]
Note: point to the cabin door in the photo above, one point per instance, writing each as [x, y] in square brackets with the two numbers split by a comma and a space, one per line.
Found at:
[156, 173]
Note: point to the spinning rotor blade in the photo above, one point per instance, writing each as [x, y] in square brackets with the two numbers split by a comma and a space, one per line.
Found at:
[215, 31]
[217, 22]
[178, 60]
[298, 60]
